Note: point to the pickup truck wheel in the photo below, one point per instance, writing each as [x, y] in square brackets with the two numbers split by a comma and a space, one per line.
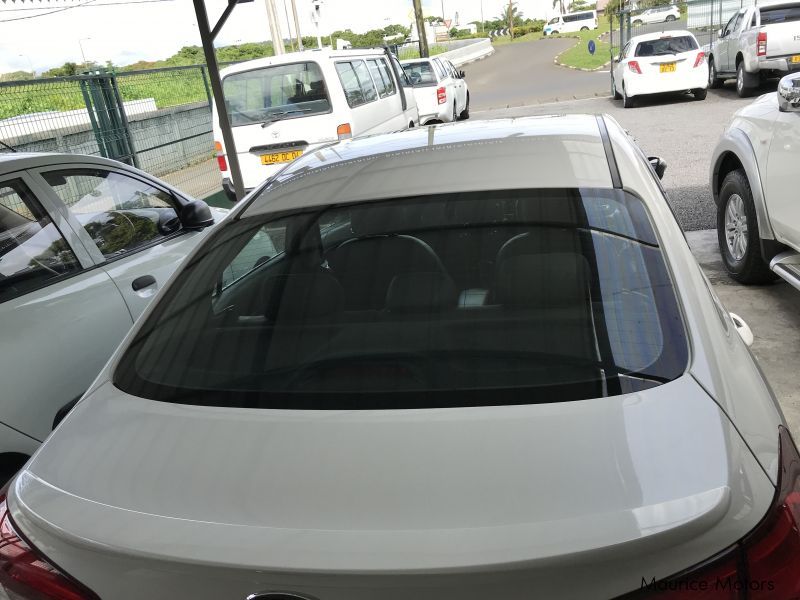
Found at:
[743, 85]
[465, 113]
[737, 232]
[714, 81]
[700, 93]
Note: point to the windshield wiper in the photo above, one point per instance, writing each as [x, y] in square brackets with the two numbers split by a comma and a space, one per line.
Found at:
[280, 115]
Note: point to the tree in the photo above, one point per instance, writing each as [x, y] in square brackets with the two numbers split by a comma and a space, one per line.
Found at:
[511, 16]
[560, 4]
[434, 20]
[16, 76]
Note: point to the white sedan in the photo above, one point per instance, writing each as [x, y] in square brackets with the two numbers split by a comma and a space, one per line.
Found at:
[440, 90]
[85, 243]
[519, 385]
[667, 61]
[657, 14]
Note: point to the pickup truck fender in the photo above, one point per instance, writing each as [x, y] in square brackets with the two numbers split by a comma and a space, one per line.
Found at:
[733, 151]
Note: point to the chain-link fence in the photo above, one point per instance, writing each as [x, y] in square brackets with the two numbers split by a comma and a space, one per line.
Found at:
[703, 18]
[158, 120]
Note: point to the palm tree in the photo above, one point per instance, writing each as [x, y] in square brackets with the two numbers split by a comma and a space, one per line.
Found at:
[511, 13]
[560, 4]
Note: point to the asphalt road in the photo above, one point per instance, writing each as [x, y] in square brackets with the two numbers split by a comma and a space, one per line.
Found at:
[523, 73]
[675, 127]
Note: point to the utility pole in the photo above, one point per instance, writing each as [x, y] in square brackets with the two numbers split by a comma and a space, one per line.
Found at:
[511, 18]
[316, 16]
[423, 38]
[297, 25]
[275, 28]
[288, 26]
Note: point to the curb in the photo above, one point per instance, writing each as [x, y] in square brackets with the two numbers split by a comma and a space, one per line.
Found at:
[557, 62]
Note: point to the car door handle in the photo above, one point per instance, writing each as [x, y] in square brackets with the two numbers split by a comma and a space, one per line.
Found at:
[143, 282]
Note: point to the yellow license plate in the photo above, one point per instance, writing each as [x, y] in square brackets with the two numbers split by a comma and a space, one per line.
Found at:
[795, 59]
[280, 157]
[668, 67]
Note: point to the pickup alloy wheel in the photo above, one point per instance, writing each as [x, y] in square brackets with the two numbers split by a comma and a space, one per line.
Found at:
[713, 79]
[737, 231]
[743, 81]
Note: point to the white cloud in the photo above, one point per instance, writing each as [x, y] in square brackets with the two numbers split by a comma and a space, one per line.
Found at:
[127, 33]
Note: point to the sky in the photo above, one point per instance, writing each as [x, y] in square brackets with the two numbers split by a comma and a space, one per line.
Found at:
[126, 33]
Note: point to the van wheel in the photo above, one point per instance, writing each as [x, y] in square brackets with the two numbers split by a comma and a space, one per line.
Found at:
[455, 112]
[584, 28]
[411, 125]
[465, 112]
[670, 18]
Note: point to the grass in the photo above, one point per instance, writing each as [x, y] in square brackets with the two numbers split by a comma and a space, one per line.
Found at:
[407, 53]
[578, 56]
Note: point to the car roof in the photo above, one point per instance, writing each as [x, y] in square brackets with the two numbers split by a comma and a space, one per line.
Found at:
[657, 35]
[564, 151]
[319, 55]
[16, 161]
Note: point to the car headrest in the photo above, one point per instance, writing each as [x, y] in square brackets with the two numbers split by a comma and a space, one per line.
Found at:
[302, 296]
[421, 292]
[382, 219]
[555, 280]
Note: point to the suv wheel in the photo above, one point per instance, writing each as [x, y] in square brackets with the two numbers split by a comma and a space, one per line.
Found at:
[737, 231]
[713, 79]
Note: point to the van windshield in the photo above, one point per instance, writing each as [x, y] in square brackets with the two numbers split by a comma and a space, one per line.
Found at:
[553, 21]
[274, 93]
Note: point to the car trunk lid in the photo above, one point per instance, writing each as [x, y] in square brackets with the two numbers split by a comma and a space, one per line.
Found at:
[135, 497]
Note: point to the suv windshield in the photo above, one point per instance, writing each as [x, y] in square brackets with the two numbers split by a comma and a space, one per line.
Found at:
[467, 299]
[669, 45]
[274, 93]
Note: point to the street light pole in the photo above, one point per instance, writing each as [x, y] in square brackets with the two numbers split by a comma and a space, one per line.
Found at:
[83, 55]
[297, 25]
[274, 28]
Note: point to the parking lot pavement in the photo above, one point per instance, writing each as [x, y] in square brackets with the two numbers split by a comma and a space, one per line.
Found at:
[772, 312]
[675, 127]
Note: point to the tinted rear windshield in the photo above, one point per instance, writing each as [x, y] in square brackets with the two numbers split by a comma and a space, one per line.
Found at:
[664, 46]
[274, 93]
[420, 73]
[507, 297]
[780, 14]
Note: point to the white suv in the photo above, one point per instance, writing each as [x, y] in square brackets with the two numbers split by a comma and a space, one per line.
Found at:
[754, 182]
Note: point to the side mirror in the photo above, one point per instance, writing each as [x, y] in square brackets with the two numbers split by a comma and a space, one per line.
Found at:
[789, 93]
[721, 33]
[615, 60]
[196, 215]
[659, 165]
[743, 329]
[461, 74]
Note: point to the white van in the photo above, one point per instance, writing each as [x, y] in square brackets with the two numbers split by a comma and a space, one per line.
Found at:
[283, 106]
[577, 21]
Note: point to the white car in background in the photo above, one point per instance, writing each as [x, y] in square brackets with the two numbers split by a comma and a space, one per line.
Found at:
[520, 385]
[754, 182]
[85, 243]
[571, 22]
[654, 63]
[440, 90]
[657, 14]
[283, 106]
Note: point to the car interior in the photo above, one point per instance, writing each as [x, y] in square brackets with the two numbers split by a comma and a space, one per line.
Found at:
[438, 294]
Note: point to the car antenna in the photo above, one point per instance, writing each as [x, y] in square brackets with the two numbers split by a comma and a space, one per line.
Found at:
[7, 146]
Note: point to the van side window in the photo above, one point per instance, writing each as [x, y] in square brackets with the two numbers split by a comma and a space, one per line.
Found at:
[352, 88]
[380, 75]
[367, 86]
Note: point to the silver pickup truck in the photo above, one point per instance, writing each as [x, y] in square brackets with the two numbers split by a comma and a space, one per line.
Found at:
[758, 42]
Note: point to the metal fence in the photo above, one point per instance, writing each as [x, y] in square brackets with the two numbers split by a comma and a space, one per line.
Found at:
[703, 18]
[158, 120]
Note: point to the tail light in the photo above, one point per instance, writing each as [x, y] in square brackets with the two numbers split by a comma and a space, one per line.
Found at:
[701, 58]
[441, 95]
[761, 48]
[221, 162]
[633, 65]
[344, 131]
[26, 574]
[764, 565]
